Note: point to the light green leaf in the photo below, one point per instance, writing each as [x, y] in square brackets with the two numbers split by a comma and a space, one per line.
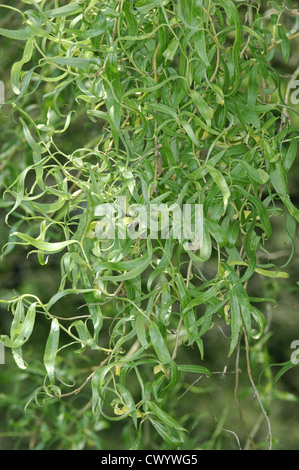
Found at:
[17, 66]
[66, 10]
[194, 369]
[20, 35]
[51, 349]
[190, 132]
[202, 107]
[42, 245]
[200, 46]
[285, 43]
[159, 343]
[26, 329]
[78, 62]
[221, 183]
[236, 324]
[141, 329]
[164, 417]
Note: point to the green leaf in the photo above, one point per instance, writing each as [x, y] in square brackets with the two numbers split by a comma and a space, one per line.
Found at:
[48, 247]
[216, 232]
[159, 344]
[18, 357]
[190, 132]
[260, 320]
[202, 107]
[19, 193]
[84, 334]
[236, 324]
[16, 324]
[252, 87]
[200, 46]
[51, 349]
[272, 274]
[78, 62]
[285, 44]
[291, 155]
[233, 14]
[174, 376]
[134, 268]
[242, 298]
[17, 66]
[164, 417]
[66, 10]
[63, 293]
[278, 181]
[170, 52]
[20, 35]
[194, 369]
[202, 298]
[163, 263]
[287, 366]
[163, 109]
[261, 210]
[31, 142]
[185, 12]
[221, 183]
[169, 435]
[95, 310]
[141, 329]
[26, 329]
[256, 174]
[129, 402]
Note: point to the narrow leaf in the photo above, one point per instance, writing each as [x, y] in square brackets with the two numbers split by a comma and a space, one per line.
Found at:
[158, 343]
[51, 349]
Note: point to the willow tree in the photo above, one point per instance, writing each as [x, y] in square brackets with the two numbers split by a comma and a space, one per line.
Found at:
[185, 105]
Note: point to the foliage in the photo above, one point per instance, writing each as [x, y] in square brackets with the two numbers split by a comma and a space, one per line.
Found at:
[184, 105]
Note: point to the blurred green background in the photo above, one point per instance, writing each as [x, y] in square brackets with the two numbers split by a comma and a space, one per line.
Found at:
[205, 407]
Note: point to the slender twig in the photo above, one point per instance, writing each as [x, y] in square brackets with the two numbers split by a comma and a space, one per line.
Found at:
[131, 351]
[190, 386]
[219, 46]
[249, 14]
[254, 430]
[86, 381]
[231, 432]
[276, 43]
[269, 436]
[236, 398]
[147, 154]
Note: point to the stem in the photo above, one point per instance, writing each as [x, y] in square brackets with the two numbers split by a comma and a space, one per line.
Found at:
[269, 436]
[276, 43]
[236, 398]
